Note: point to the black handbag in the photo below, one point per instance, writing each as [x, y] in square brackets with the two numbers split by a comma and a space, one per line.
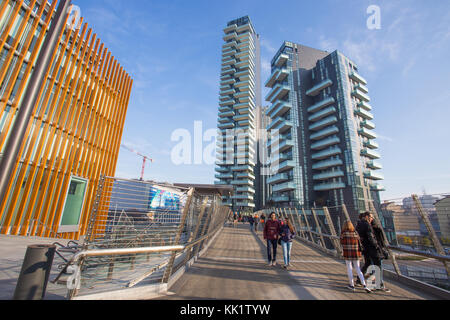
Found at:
[279, 241]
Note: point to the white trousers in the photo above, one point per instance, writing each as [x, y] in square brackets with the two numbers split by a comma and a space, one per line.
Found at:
[356, 265]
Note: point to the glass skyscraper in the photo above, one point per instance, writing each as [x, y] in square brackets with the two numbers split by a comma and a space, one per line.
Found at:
[240, 98]
[322, 147]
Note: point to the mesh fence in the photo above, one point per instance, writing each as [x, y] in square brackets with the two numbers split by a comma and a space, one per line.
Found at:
[416, 228]
[134, 214]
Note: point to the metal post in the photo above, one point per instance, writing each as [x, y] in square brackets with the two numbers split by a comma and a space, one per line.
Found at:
[299, 220]
[336, 243]
[19, 128]
[437, 244]
[36, 267]
[196, 233]
[347, 216]
[386, 244]
[319, 229]
[168, 271]
[307, 225]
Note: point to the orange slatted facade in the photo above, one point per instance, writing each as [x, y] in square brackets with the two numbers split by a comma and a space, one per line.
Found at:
[74, 134]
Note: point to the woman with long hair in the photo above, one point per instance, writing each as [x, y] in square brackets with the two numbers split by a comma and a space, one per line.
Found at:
[287, 233]
[351, 246]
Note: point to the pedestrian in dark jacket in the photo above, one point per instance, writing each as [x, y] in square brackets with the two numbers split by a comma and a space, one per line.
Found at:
[381, 251]
[368, 240]
[251, 221]
[271, 234]
[287, 234]
[350, 242]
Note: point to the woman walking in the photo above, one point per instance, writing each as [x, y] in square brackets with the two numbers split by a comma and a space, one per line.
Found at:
[351, 246]
[287, 233]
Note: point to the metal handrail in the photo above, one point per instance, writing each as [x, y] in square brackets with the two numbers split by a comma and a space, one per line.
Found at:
[422, 253]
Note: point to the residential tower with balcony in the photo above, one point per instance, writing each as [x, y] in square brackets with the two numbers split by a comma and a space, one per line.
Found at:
[240, 96]
[323, 146]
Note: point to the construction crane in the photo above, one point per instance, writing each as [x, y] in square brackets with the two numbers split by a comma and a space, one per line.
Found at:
[145, 159]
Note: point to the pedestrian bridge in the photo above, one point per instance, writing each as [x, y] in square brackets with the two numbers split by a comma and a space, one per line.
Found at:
[235, 267]
[183, 245]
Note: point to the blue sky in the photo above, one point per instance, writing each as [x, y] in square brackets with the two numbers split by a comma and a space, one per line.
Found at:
[172, 49]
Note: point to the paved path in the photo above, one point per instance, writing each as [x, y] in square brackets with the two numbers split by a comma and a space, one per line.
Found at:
[12, 253]
[235, 268]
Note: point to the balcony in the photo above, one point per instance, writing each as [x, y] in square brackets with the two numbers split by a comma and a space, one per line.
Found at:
[247, 83]
[361, 95]
[322, 114]
[280, 158]
[242, 182]
[226, 115]
[371, 144]
[364, 114]
[230, 28]
[227, 92]
[377, 187]
[329, 186]
[284, 126]
[246, 189]
[223, 163]
[280, 199]
[367, 133]
[286, 165]
[241, 168]
[362, 88]
[314, 91]
[278, 108]
[245, 27]
[242, 197]
[324, 133]
[325, 143]
[370, 154]
[246, 175]
[228, 71]
[228, 102]
[245, 204]
[228, 62]
[228, 53]
[329, 175]
[278, 75]
[320, 105]
[355, 76]
[244, 92]
[228, 82]
[222, 170]
[224, 176]
[288, 186]
[245, 116]
[245, 73]
[365, 105]
[281, 60]
[368, 124]
[231, 44]
[281, 177]
[326, 153]
[227, 125]
[327, 164]
[374, 165]
[241, 106]
[277, 121]
[284, 146]
[278, 92]
[373, 175]
[230, 36]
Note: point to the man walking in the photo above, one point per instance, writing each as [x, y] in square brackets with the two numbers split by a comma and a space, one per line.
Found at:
[271, 234]
[371, 250]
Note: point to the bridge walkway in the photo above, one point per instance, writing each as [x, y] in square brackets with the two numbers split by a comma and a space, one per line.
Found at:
[235, 268]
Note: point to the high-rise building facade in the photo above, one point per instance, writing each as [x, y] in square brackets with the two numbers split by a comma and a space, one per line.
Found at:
[240, 96]
[74, 132]
[322, 147]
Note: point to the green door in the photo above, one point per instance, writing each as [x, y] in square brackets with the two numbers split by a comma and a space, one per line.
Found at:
[70, 219]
